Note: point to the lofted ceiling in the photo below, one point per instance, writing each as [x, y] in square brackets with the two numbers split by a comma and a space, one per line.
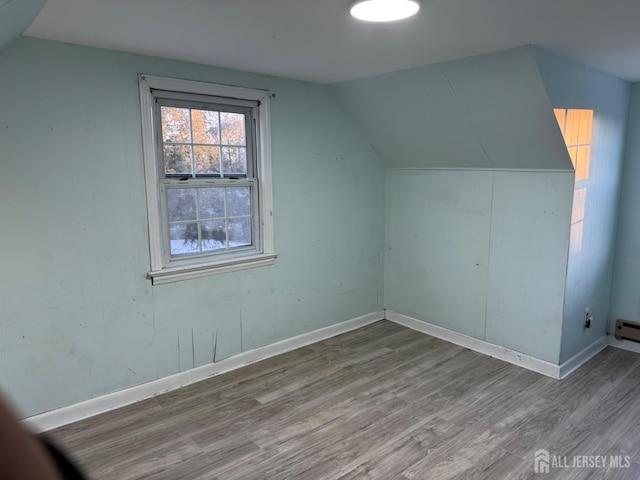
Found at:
[317, 40]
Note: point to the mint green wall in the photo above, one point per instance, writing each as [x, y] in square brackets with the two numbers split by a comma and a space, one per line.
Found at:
[78, 318]
[488, 111]
[479, 195]
[625, 298]
[481, 252]
[15, 17]
[437, 246]
[571, 85]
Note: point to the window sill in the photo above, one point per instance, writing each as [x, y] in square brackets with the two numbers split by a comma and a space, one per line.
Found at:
[177, 274]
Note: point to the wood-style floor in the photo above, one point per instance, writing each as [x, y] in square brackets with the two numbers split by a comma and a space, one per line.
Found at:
[382, 402]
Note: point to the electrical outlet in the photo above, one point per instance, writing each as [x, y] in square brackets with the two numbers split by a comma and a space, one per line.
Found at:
[587, 318]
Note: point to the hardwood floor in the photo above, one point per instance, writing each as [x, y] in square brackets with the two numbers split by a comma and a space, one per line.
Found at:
[383, 402]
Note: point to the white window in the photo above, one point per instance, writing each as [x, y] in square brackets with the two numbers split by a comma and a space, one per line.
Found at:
[208, 177]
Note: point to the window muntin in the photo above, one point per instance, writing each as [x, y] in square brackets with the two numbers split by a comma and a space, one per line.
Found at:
[576, 126]
[207, 218]
[204, 140]
[218, 148]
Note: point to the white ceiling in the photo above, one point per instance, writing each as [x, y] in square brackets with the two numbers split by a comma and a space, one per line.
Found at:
[317, 40]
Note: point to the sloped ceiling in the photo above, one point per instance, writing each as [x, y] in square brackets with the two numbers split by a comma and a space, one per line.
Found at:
[317, 40]
[488, 111]
[15, 17]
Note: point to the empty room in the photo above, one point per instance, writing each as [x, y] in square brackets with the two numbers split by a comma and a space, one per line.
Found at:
[279, 239]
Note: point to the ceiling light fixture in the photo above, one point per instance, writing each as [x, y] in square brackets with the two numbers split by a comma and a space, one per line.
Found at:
[384, 10]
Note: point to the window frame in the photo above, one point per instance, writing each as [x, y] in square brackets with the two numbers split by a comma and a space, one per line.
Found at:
[164, 269]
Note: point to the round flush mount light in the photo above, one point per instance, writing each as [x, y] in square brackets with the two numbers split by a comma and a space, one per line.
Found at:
[384, 10]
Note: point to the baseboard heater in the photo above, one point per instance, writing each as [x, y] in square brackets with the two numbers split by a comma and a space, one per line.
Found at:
[626, 330]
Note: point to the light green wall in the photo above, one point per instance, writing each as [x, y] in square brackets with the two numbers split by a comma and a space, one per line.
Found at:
[78, 318]
[479, 195]
[437, 246]
[481, 252]
[15, 17]
[625, 297]
[487, 111]
[574, 86]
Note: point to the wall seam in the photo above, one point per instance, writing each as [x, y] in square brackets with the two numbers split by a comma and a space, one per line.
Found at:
[486, 296]
[466, 116]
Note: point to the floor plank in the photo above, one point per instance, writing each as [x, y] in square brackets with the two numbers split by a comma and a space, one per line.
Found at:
[382, 402]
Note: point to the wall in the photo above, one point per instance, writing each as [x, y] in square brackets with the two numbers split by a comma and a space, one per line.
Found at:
[479, 191]
[488, 111]
[480, 252]
[574, 86]
[625, 298]
[78, 318]
[15, 17]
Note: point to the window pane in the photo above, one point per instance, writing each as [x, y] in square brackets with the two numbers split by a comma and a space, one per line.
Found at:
[183, 238]
[575, 238]
[579, 202]
[182, 204]
[573, 127]
[211, 203]
[175, 125]
[177, 159]
[573, 153]
[206, 128]
[561, 114]
[214, 236]
[583, 159]
[239, 232]
[238, 201]
[586, 127]
[207, 160]
[234, 160]
[232, 126]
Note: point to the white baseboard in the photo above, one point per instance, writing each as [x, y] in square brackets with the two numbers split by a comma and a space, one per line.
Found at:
[623, 344]
[516, 358]
[582, 357]
[73, 413]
